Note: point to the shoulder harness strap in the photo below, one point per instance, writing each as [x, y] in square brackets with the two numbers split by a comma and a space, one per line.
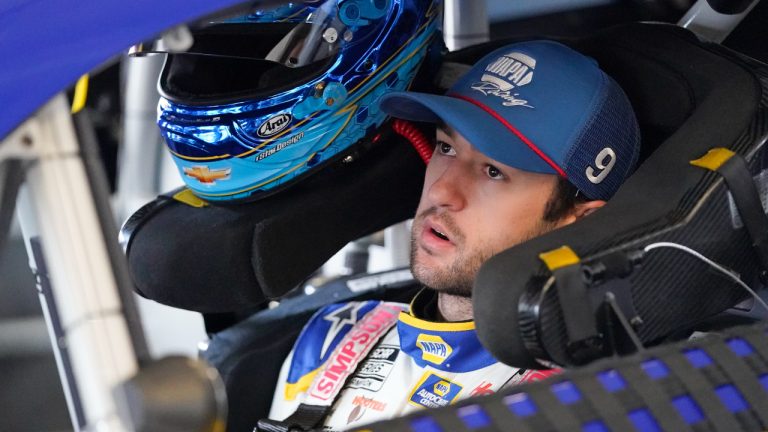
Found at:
[327, 384]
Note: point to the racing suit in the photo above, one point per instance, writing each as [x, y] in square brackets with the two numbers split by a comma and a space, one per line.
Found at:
[412, 363]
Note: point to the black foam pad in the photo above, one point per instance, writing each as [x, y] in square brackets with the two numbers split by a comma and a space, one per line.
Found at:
[664, 200]
[231, 258]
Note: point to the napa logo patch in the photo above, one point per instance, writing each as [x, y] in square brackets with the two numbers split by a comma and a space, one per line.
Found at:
[433, 348]
[273, 125]
[505, 75]
[434, 391]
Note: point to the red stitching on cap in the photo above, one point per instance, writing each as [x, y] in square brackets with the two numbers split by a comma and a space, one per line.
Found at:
[514, 130]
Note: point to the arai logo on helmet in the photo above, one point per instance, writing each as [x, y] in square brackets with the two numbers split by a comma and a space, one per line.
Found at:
[274, 125]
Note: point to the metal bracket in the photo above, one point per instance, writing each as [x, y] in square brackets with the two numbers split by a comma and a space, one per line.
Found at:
[22, 142]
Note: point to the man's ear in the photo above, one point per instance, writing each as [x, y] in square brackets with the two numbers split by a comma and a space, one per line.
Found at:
[587, 208]
[580, 210]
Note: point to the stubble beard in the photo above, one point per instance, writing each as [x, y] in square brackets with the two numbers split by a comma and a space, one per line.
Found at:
[457, 278]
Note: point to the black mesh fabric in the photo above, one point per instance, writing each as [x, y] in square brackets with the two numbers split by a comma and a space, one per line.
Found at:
[666, 199]
[671, 284]
[606, 128]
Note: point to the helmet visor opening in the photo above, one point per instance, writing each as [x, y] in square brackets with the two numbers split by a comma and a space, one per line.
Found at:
[233, 61]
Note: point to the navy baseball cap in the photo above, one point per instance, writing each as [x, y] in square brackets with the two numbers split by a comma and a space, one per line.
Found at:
[538, 106]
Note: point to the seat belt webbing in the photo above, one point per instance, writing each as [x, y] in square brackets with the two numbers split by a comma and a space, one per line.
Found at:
[344, 359]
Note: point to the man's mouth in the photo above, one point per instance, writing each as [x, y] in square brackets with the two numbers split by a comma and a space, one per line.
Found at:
[440, 234]
[436, 237]
[437, 233]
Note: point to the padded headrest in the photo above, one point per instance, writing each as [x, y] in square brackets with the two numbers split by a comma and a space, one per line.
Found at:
[220, 259]
[690, 97]
[232, 258]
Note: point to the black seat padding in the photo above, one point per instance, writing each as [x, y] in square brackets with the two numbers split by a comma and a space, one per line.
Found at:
[706, 97]
[221, 259]
[675, 96]
[689, 97]
[231, 258]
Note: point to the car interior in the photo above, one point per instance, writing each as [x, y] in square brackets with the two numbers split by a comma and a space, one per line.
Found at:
[639, 279]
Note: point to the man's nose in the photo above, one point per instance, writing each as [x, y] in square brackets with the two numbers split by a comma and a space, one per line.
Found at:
[448, 189]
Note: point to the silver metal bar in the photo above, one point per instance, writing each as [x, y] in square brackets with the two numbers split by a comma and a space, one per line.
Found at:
[709, 24]
[21, 337]
[138, 180]
[465, 23]
[84, 314]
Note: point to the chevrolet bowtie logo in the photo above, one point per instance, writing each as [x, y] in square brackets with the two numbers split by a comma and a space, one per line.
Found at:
[207, 176]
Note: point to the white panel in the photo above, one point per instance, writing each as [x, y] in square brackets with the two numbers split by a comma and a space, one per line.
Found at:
[59, 200]
[170, 330]
[71, 233]
[97, 365]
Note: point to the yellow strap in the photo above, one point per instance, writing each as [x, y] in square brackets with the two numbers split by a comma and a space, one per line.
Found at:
[81, 94]
[560, 257]
[187, 197]
[714, 159]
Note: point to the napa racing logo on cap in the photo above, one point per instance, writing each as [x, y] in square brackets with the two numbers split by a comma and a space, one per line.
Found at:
[434, 391]
[433, 348]
[273, 125]
[506, 74]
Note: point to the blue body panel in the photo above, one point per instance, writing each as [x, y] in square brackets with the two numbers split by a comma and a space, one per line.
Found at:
[46, 45]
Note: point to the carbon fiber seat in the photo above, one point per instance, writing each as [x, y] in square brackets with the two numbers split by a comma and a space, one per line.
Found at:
[690, 97]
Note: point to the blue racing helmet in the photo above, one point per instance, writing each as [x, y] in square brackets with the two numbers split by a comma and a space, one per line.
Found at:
[264, 99]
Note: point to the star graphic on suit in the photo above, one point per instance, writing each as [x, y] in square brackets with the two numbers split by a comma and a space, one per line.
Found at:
[339, 318]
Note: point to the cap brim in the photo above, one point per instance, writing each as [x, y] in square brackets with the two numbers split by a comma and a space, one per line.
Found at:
[487, 134]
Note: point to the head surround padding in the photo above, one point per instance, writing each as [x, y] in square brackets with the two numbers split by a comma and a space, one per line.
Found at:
[231, 258]
[680, 89]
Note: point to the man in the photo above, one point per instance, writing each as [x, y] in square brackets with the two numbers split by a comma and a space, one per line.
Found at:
[535, 136]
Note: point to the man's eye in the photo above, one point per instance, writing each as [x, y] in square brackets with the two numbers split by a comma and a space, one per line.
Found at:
[445, 148]
[494, 172]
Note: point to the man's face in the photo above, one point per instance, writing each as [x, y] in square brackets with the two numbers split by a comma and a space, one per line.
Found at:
[471, 208]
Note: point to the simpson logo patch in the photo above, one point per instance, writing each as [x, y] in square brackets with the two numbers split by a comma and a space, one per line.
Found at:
[351, 350]
[434, 391]
[433, 348]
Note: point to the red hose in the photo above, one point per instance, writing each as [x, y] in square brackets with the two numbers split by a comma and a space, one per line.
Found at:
[421, 143]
